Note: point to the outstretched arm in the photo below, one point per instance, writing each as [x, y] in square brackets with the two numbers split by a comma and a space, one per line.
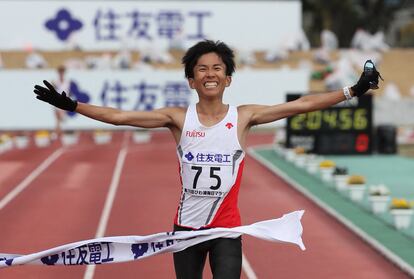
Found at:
[165, 117]
[260, 114]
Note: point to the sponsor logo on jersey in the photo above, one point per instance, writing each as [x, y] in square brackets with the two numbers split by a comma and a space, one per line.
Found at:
[229, 125]
[206, 157]
[189, 156]
[195, 134]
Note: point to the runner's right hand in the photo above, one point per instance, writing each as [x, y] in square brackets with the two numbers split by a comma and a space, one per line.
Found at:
[51, 96]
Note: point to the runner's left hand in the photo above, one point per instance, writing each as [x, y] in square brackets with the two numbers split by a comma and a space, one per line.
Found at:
[369, 79]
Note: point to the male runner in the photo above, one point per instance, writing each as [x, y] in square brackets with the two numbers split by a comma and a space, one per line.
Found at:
[211, 138]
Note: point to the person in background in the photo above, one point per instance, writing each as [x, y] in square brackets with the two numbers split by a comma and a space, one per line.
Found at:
[62, 85]
[35, 60]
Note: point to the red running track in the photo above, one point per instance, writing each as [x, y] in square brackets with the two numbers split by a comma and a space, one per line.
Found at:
[64, 204]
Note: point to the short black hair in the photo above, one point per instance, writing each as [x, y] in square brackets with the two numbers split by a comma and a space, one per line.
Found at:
[207, 46]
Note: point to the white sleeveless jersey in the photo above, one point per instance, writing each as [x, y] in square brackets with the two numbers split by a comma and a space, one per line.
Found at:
[211, 164]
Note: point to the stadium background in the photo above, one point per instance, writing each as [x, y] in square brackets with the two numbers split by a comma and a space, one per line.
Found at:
[127, 54]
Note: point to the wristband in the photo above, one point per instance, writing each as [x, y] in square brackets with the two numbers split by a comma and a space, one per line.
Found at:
[346, 92]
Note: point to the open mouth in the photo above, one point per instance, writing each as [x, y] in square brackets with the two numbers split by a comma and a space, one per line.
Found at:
[210, 84]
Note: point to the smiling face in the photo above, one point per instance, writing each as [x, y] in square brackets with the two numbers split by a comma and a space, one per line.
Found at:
[210, 77]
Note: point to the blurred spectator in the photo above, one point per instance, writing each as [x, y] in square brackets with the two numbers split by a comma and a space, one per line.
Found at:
[35, 60]
[245, 57]
[391, 92]
[142, 65]
[360, 39]
[177, 43]
[122, 60]
[322, 56]
[102, 62]
[144, 60]
[75, 63]
[72, 42]
[276, 54]
[1, 63]
[378, 42]
[343, 74]
[358, 58]
[329, 40]
[61, 83]
[296, 41]
[156, 54]
[365, 41]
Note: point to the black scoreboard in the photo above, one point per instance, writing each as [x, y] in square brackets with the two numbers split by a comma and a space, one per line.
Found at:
[345, 128]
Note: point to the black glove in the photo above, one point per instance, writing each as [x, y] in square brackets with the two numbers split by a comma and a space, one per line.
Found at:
[368, 79]
[49, 95]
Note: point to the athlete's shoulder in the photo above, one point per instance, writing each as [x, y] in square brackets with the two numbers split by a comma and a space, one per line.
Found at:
[246, 113]
[176, 114]
[248, 109]
[173, 111]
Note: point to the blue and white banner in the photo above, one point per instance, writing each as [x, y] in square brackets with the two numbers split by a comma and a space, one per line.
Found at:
[134, 90]
[287, 229]
[109, 25]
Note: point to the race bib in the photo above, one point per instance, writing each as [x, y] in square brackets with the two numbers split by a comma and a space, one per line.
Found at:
[209, 174]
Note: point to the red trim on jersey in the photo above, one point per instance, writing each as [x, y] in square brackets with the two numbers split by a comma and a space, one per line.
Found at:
[228, 214]
[181, 195]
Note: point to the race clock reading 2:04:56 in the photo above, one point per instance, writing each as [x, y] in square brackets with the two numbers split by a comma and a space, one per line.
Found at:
[345, 128]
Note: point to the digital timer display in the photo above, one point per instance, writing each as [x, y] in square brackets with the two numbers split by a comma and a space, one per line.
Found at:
[345, 128]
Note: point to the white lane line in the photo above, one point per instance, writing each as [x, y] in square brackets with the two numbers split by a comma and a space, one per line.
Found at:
[32, 176]
[103, 222]
[247, 268]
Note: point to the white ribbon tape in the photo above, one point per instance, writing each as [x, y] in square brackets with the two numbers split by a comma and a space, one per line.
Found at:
[129, 248]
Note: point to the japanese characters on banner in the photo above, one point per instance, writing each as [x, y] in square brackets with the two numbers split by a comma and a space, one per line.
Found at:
[142, 90]
[106, 25]
[287, 229]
